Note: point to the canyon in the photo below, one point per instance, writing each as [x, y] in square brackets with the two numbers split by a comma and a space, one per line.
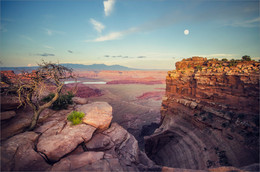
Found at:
[207, 119]
[210, 115]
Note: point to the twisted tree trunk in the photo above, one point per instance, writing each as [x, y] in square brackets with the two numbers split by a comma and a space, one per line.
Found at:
[38, 111]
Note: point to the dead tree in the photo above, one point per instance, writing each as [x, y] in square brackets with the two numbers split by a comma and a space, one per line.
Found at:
[32, 85]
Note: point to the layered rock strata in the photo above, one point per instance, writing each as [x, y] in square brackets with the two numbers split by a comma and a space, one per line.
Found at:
[210, 115]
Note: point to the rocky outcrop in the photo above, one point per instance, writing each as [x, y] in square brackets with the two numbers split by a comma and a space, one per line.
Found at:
[56, 145]
[18, 153]
[210, 115]
[98, 114]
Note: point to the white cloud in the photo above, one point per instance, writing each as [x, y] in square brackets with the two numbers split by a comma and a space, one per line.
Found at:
[114, 35]
[53, 32]
[110, 36]
[247, 23]
[49, 47]
[26, 37]
[108, 6]
[97, 25]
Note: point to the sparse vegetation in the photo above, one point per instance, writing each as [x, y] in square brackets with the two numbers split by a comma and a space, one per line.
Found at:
[199, 67]
[30, 87]
[75, 117]
[62, 102]
[246, 58]
[224, 60]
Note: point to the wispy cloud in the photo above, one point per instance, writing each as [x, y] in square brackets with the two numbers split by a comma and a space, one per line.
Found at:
[45, 54]
[247, 23]
[26, 37]
[109, 6]
[97, 25]
[113, 35]
[51, 32]
[70, 51]
[141, 57]
[49, 47]
[110, 36]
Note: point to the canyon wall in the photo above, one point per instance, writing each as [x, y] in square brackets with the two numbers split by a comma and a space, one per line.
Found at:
[210, 115]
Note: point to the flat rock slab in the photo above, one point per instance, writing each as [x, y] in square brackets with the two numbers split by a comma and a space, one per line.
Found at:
[7, 115]
[17, 153]
[62, 139]
[97, 114]
[74, 162]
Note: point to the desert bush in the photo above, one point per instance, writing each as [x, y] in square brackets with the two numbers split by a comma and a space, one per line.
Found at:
[75, 117]
[232, 63]
[62, 102]
[224, 60]
[246, 58]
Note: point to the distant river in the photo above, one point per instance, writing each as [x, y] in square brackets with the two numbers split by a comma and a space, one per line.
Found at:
[87, 83]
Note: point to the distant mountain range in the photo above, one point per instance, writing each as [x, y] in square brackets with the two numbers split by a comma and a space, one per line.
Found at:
[76, 67]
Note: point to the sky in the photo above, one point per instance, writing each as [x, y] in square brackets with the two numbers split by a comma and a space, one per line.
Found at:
[145, 34]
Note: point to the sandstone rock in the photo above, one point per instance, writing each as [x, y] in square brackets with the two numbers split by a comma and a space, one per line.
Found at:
[9, 103]
[79, 100]
[17, 153]
[206, 117]
[7, 115]
[99, 142]
[97, 114]
[75, 162]
[15, 126]
[61, 139]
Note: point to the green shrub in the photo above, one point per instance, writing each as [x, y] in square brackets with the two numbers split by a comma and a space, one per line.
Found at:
[224, 60]
[246, 58]
[62, 102]
[75, 117]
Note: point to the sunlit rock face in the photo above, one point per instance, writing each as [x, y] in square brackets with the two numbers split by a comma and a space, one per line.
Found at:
[210, 115]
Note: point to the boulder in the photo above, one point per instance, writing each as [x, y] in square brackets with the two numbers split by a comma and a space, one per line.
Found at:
[63, 138]
[9, 103]
[97, 114]
[17, 153]
[7, 115]
[79, 100]
[74, 162]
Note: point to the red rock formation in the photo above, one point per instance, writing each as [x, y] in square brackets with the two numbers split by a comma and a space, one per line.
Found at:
[210, 115]
[155, 95]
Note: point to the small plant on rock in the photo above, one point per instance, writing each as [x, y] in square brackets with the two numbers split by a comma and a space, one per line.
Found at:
[75, 117]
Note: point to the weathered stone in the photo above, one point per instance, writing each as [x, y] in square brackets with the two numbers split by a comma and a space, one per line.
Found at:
[75, 162]
[79, 100]
[98, 114]
[60, 140]
[9, 103]
[99, 142]
[7, 115]
[17, 153]
[207, 117]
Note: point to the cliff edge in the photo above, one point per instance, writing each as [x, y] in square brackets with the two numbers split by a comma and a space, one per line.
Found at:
[210, 115]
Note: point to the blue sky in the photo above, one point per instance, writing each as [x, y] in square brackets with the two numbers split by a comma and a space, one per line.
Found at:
[145, 34]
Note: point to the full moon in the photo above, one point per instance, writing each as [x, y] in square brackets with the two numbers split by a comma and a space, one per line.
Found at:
[186, 32]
